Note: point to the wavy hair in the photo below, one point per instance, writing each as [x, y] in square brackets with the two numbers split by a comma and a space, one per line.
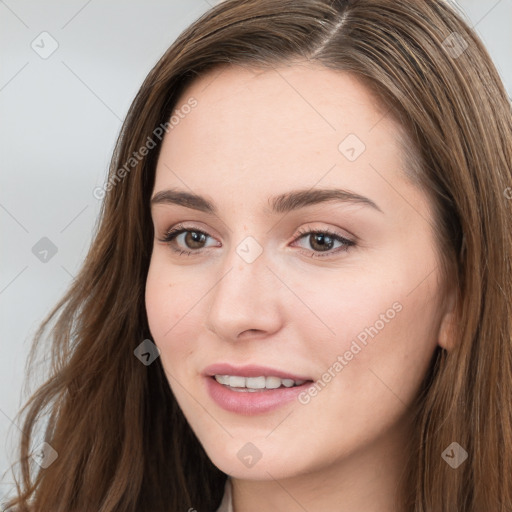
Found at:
[123, 443]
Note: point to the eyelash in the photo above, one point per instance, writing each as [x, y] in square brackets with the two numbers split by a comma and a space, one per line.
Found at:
[179, 229]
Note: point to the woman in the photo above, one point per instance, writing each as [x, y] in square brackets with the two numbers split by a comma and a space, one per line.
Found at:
[298, 296]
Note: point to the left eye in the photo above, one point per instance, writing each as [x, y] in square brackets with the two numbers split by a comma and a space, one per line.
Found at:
[320, 240]
[324, 240]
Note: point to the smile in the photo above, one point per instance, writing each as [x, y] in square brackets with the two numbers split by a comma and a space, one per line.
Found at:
[240, 383]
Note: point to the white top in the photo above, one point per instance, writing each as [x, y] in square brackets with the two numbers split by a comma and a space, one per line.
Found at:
[226, 505]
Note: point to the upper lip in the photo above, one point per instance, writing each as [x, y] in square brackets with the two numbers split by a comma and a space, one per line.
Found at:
[251, 370]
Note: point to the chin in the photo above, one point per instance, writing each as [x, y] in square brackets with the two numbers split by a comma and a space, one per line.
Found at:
[255, 461]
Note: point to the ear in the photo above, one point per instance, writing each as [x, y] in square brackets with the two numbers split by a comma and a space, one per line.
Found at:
[447, 332]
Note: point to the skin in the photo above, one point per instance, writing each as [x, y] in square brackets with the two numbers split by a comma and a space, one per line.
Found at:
[255, 134]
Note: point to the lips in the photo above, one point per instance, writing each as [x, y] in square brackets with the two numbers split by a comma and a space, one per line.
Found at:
[259, 401]
[251, 371]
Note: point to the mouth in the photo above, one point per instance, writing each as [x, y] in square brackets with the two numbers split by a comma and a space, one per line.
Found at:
[251, 371]
[239, 383]
[252, 389]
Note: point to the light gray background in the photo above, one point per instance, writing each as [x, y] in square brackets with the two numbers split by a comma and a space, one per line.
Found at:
[60, 117]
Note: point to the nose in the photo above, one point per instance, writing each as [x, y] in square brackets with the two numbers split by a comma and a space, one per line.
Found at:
[245, 300]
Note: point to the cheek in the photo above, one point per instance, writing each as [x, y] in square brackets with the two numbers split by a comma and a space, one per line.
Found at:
[172, 311]
[383, 345]
[376, 331]
[161, 305]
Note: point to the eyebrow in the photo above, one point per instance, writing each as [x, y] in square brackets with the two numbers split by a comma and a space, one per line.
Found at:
[282, 203]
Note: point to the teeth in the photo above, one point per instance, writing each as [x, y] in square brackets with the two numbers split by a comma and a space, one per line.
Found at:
[222, 379]
[237, 382]
[254, 383]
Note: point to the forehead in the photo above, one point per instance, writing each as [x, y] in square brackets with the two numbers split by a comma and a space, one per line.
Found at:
[307, 95]
[289, 126]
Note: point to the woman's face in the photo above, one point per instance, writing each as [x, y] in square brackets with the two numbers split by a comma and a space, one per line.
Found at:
[353, 309]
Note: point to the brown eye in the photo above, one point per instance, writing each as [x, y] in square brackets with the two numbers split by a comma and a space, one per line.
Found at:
[322, 241]
[193, 240]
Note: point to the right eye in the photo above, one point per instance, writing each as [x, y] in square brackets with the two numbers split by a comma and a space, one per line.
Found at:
[193, 237]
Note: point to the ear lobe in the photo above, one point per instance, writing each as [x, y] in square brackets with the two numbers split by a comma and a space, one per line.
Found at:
[447, 331]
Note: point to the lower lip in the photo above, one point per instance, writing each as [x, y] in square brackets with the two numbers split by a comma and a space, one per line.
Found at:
[252, 402]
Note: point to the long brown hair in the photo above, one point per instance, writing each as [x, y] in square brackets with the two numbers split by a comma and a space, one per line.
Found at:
[122, 441]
